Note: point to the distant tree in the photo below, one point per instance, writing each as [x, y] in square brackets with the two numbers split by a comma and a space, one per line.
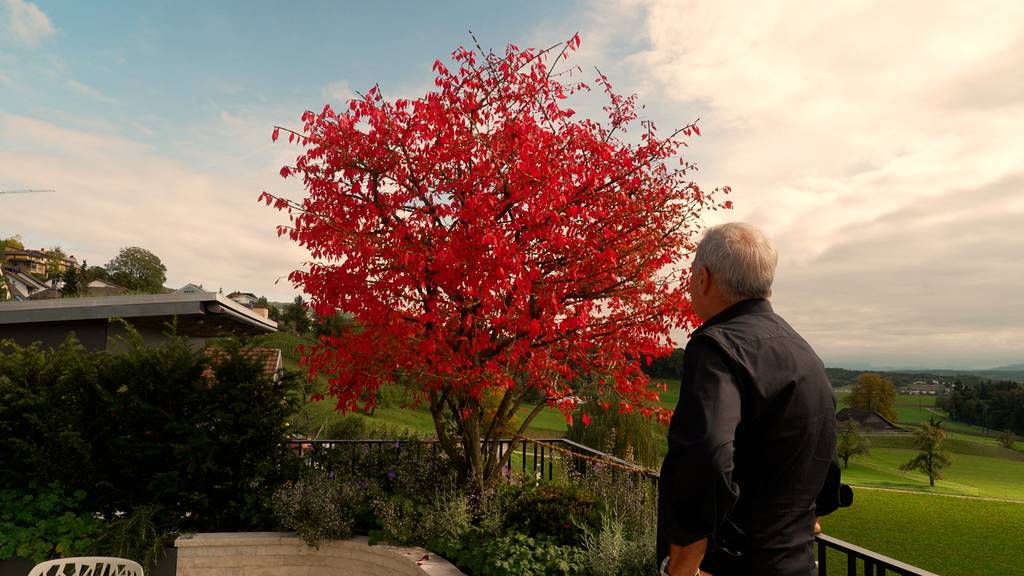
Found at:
[872, 392]
[1006, 440]
[54, 261]
[272, 310]
[333, 324]
[72, 282]
[14, 243]
[933, 457]
[138, 270]
[297, 316]
[669, 366]
[851, 442]
[90, 273]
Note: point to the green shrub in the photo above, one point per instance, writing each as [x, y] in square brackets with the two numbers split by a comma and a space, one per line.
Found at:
[200, 439]
[630, 436]
[43, 523]
[517, 554]
[561, 511]
[137, 536]
[317, 507]
[612, 551]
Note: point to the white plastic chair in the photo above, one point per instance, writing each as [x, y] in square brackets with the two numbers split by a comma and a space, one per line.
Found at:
[88, 566]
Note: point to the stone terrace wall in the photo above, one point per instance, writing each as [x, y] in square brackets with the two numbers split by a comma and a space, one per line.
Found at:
[283, 554]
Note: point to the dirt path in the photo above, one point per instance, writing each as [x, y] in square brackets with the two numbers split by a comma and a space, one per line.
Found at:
[964, 496]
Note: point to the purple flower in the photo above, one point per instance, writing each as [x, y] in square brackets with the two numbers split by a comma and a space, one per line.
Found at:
[391, 474]
[398, 444]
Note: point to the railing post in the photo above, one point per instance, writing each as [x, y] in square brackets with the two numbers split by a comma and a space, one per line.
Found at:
[822, 559]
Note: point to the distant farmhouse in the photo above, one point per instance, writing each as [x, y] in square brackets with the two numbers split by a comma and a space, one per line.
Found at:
[868, 421]
[933, 388]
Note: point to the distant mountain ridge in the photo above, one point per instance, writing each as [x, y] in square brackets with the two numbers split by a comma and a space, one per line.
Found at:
[840, 377]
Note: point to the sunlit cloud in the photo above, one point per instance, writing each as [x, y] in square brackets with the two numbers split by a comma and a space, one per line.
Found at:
[25, 23]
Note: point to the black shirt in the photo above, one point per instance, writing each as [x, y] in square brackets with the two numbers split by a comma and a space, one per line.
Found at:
[749, 445]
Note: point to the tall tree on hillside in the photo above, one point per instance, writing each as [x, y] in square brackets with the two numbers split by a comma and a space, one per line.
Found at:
[929, 439]
[14, 243]
[872, 392]
[296, 315]
[851, 442]
[483, 237]
[55, 261]
[138, 270]
[72, 282]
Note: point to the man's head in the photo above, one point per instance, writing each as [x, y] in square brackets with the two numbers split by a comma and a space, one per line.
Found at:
[733, 262]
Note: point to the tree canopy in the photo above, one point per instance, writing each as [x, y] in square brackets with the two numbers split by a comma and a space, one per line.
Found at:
[933, 456]
[138, 270]
[484, 237]
[873, 392]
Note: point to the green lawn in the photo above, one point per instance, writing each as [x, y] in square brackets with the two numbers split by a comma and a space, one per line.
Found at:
[969, 474]
[946, 535]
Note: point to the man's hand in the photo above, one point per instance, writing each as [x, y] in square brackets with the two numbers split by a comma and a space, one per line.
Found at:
[817, 527]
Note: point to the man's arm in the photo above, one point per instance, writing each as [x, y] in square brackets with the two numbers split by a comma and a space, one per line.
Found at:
[685, 560]
[699, 464]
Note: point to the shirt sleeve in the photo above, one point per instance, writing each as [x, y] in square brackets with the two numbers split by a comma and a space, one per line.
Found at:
[697, 488]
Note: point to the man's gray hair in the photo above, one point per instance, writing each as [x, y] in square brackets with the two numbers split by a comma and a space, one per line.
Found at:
[740, 258]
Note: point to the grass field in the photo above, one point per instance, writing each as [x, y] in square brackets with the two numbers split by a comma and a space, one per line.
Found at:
[946, 535]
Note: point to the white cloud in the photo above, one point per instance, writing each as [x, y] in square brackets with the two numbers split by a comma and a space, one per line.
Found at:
[26, 23]
[89, 92]
[338, 93]
[113, 192]
[878, 143]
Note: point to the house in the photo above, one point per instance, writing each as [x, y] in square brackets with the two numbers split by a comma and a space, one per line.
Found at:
[95, 320]
[269, 358]
[36, 262]
[927, 389]
[868, 421]
[191, 288]
[21, 285]
[247, 299]
[97, 288]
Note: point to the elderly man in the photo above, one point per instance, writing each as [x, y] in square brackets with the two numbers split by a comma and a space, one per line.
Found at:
[753, 436]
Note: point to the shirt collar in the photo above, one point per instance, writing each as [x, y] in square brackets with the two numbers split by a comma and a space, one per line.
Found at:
[750, 306]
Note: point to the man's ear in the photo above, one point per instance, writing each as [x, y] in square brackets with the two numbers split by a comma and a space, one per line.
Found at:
[703, 280]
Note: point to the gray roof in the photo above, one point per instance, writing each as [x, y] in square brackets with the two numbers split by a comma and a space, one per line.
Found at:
[140, 307]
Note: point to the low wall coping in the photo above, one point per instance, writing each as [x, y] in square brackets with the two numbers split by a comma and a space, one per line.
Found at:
[420, 560]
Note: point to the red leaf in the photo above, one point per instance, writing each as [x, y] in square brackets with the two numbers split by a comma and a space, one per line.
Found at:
[275, 134]
[696, 129]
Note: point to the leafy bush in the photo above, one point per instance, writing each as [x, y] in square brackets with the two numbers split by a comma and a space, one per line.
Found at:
[43, 523]
[630, 436]
[611, 551]
[318, 507]
[561, 511]
[517, 554]
[198, 438]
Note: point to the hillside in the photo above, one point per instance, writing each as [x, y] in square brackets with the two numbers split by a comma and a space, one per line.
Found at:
[841, 377]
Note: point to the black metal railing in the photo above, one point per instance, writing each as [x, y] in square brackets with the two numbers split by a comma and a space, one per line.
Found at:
[543, 458]
[872, 563]
[538, 457]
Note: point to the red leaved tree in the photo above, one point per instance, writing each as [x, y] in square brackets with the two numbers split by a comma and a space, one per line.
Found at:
[490, 244]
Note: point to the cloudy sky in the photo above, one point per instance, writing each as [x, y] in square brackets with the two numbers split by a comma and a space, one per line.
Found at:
[881, 144]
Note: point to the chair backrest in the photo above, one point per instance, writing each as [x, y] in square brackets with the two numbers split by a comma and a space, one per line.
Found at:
[88, 566]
